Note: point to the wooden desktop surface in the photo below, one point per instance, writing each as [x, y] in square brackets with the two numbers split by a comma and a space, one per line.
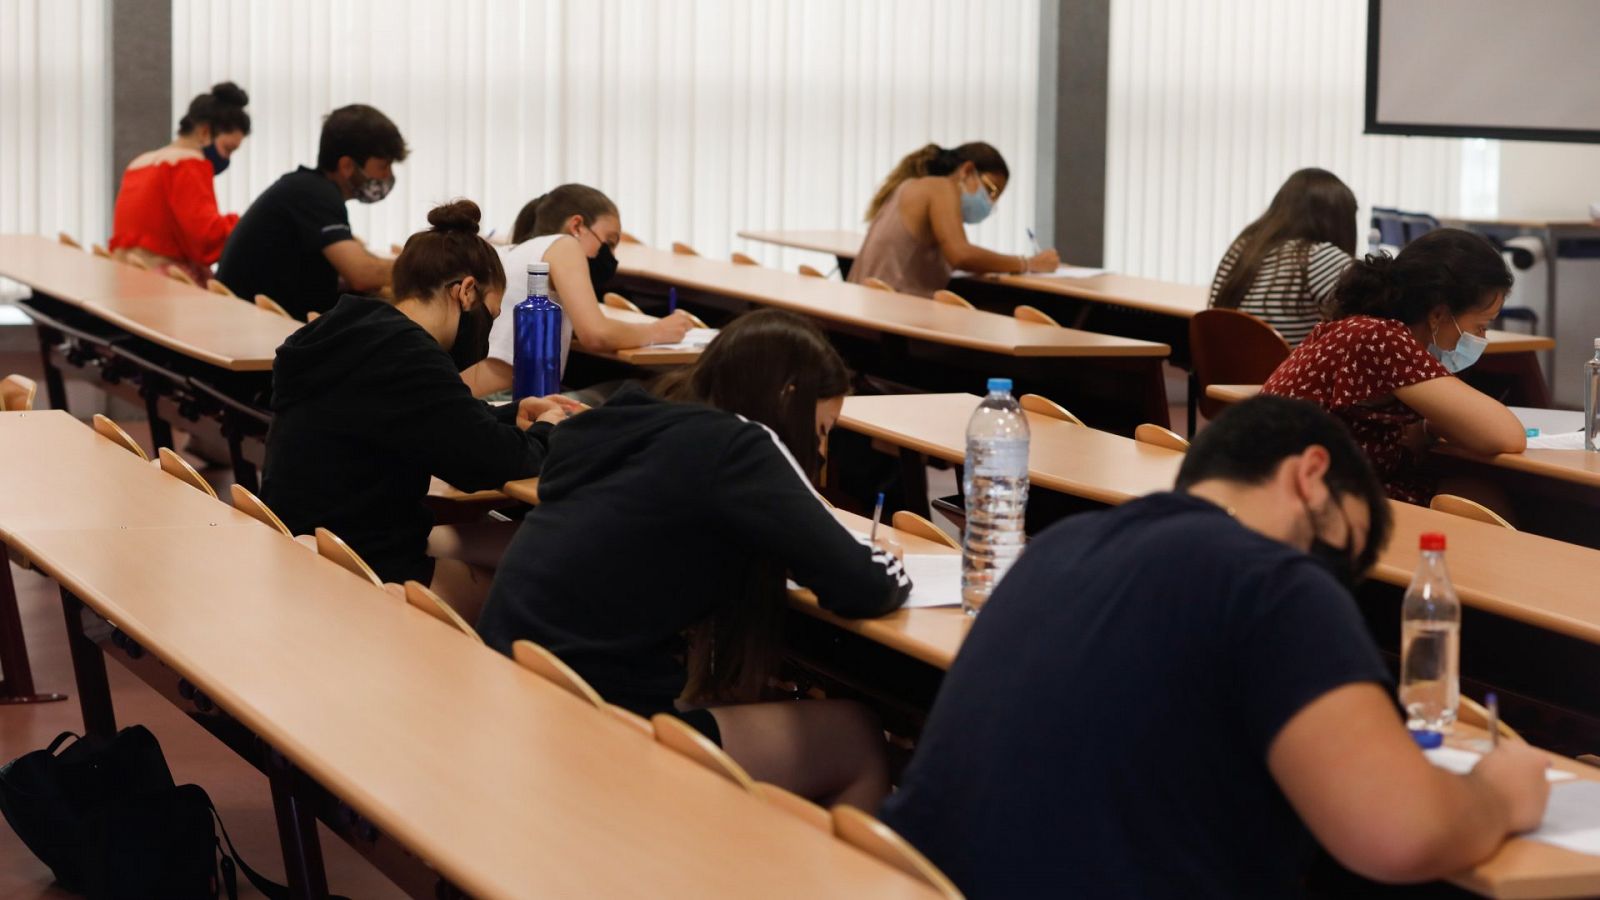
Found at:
[503, 782]
[649, 356]
[853, 305]
[222, 331]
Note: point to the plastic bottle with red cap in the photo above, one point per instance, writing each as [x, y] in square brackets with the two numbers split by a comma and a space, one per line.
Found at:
[1430, 643]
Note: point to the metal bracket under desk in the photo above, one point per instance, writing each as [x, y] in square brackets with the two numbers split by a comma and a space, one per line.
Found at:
[16, 687]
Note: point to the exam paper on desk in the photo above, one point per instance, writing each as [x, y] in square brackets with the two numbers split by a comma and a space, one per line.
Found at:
[1461, 761]
[1569, 441]
[935, 579]
[693, 339]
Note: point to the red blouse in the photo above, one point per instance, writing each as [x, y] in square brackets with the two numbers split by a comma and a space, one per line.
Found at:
[168, 206]
[1351, 368]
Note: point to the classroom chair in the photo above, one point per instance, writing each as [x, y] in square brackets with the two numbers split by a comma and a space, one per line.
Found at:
[109, 429]
[810, 272]
[1468, 509]
[17, 393]
[68, 241]
[911, 523]
[1227, 346]
[694, 320]
[681, 737]
[951, 298]
[548, 666]
[878, 284]
[683, 249]
[251, 505]
[866, 833]
[271, 306]
[617, 301]
[1044, 406]
[423, 598]
[1472, 712]
[394, 249]
[1034, 314]
[330, 546]
[179, 468]
[217, 287]
[739, 259]
[796, 805]
[1161, 437]
[134, 261]
[180, 276]
[101, 252]
[626, 238]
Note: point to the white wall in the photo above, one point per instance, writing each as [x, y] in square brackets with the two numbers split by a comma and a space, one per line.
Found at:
[699, 119]
[1548, 181]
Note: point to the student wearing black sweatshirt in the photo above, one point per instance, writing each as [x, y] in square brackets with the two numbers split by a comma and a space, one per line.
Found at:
[368, 405]
[660, 516]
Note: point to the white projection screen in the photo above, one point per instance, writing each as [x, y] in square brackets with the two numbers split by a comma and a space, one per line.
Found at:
[1523, 70]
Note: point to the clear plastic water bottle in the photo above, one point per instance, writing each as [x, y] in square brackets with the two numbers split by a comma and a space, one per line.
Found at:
[1591, 396]
[1430, 643]
[536, 353]
[995, 485]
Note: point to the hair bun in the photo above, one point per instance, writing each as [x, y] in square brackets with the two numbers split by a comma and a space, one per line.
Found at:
[456, 216]
[230, 93]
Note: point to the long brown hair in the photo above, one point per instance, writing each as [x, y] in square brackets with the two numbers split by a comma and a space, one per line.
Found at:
[1312, 207]
[546, 213]
[1457, 269]
[933, 159]
[771, 367]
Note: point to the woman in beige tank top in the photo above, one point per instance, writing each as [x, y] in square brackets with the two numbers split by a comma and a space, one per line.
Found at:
[919, 215]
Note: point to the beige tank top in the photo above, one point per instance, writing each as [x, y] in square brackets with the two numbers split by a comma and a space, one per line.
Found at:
[891, 252]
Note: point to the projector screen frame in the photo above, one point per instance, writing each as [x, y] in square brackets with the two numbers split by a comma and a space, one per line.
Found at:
[1373, 126]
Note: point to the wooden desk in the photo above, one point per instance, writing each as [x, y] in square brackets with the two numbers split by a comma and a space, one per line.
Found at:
[644, 357]
[841, 244]
[510, 787]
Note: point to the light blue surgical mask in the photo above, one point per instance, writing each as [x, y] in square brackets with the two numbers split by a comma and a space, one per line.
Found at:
[976, 205]
[1467, 350]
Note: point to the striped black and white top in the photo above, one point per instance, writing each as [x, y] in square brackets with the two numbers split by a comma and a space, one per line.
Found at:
[1287, 294]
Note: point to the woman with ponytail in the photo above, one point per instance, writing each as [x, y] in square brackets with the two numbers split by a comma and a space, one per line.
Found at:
[1402, 328]
[166, 212]
[368, 406]
[917, 235]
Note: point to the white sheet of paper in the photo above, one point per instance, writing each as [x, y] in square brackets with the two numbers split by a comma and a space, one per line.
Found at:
[1548, 421]
[1460, 761]
[1073, 272]
[935, 579]
[693, 339]
[1572, 440]
[1572, 818]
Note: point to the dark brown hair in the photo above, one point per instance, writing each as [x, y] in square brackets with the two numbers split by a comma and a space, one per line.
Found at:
[449, 251]
[361, 133]
[933, 159]
[222, 109]
[1312, 207]
[545, 214]
[1447, 266]
[771, 367]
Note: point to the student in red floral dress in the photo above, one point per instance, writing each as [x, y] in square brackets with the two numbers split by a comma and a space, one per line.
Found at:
[1402, 327]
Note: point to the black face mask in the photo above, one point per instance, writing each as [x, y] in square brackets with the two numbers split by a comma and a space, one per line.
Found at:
[472, 336]
[219, 163]
[602, 268]
[1335, 561]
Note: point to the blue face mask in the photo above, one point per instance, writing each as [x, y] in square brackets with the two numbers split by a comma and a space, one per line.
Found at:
[976, 206]
[1467, 350]
[219, 163]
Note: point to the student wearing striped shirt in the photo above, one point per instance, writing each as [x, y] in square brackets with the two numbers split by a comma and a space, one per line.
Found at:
[1283, 267]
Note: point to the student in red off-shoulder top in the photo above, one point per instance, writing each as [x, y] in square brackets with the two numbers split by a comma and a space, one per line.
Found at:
[1402, 327]
[166, 212]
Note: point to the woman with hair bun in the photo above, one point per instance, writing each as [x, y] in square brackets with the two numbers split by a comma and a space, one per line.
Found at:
[166, 212]
[1402, 328]
[918, 234]
[368, 406]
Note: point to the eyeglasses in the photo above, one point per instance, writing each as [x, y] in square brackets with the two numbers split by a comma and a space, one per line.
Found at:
[988, 185]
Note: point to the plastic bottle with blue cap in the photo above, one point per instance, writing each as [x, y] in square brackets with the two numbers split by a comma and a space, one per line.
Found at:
[995, 488]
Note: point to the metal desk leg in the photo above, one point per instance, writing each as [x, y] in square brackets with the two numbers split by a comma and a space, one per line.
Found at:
[1194, 404]
[89, 666]
[17, 686]
[54, 387]
[297, 831]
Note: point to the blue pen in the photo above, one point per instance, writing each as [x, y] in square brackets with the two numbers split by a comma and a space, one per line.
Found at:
[672, 300]
[1034, 241]
[877, 516]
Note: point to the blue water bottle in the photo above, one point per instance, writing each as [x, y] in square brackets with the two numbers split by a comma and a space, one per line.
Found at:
[536, 357]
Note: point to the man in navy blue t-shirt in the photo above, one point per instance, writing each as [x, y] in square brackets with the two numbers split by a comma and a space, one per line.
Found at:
[1159, 700]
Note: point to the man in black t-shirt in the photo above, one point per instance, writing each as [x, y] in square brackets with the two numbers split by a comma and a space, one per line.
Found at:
[1159, 700]
[294, 243]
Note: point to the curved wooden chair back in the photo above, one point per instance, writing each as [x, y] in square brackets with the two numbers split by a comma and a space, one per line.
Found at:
[1034, 314]
[683, 249]
[310, 316]
[422, 597]
[911, 523]
[866, 833]
[101, 252]
[796, 805]
[1044, 406]
[180, 276]
[877, 284]
[951, 298]
[694, 320]
[1161, 437]
[68, 240]
[1473, 713]
[330, 546]
[271, 306]
[135, 261]
[179, 468]
[251, 505]
[17, 393]
[626, 238]
[810, 272]
[395, 249]
[1469, 509]
[548, 666]
[220, 289]
[739, 259]
[681, 737]
[1232, 347]
[617, 301]
[109, 429]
